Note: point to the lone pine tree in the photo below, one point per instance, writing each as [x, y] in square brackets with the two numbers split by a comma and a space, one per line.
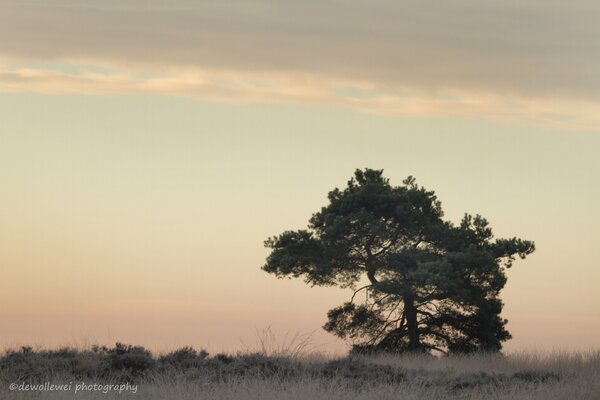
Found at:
[424, 284]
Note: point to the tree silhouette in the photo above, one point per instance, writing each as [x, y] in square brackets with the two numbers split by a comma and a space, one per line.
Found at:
[424, 284]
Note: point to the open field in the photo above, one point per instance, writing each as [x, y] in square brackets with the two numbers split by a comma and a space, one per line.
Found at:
[191, 374]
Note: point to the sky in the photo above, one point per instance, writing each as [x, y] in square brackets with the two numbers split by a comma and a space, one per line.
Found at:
[147, 149]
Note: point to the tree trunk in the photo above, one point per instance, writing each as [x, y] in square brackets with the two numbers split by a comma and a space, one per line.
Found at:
[414, 342]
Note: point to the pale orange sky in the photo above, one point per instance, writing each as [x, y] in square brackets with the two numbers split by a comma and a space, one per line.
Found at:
[143, 163]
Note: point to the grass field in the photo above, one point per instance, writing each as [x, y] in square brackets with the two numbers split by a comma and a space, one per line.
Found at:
[191, 374]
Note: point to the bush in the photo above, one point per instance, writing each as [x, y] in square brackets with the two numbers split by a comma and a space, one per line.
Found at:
[37, 365]
[132, 359]
[259, 365]
[224, 358]
[360, 371]
[184, 358]
[536, 376]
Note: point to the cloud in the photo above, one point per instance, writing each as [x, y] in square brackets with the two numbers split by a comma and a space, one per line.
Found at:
[234, 86]
[220, 85]
[497, 57]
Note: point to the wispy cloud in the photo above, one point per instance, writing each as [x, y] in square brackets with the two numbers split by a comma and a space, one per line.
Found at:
[535, 60]
[277, 87]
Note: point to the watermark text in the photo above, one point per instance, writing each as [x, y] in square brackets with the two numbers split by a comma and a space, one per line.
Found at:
[76, 387]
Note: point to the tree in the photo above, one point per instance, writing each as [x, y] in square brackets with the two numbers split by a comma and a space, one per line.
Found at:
[426, 284]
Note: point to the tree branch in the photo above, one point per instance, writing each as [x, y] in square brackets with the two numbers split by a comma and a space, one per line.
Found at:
[358, 290]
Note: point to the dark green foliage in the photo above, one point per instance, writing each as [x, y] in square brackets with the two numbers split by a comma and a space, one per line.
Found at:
[31, 365]
[133, 363]
[131, 359]
[361, 373]
[536, 376]
[184, 358]
[188, 366]
[259, 365]
[224, 358]
[477, 380]
[428, 284]
[495, 380]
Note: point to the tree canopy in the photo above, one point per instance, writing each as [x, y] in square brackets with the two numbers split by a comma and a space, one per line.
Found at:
[420, 283]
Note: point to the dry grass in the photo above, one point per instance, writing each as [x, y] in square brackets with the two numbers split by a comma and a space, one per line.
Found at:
[278, 373]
